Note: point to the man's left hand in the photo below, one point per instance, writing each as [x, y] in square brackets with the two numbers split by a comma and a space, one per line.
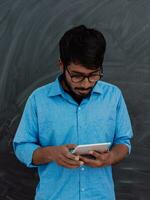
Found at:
[101, 159]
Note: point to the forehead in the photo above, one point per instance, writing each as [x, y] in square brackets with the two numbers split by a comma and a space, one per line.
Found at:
[80, 68]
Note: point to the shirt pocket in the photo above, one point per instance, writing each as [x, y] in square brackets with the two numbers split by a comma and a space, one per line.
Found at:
[104, 129]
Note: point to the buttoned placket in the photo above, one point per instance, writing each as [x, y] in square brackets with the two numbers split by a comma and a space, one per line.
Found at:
[80, 140]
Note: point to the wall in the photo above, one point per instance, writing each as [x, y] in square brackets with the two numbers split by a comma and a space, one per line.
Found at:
[29, 35]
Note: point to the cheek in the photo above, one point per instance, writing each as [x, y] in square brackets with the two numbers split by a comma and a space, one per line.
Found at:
[76, 86]
[72, 85]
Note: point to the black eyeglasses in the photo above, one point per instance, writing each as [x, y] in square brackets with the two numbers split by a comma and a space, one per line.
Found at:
[76, 78]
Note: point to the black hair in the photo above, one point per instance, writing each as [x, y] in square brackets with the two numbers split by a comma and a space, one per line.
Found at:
[82, 45]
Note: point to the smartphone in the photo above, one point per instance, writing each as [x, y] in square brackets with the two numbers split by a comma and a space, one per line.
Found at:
[84, 149]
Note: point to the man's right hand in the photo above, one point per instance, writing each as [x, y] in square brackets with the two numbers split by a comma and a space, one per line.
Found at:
[59, 154]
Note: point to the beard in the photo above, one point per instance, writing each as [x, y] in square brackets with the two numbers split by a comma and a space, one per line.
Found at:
[72, 93]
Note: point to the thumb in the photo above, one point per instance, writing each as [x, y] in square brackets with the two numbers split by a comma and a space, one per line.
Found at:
[71, 146]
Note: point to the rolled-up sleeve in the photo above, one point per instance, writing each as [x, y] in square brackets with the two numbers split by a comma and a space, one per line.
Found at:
[123, 130]
[26, 138]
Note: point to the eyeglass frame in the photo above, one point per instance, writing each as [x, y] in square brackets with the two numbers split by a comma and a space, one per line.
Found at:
[84, 76]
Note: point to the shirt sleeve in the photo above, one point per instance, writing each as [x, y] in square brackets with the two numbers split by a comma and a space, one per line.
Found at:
[123, 130]
[26, 138]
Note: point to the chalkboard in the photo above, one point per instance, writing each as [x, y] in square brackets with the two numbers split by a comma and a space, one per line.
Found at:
[29, 35]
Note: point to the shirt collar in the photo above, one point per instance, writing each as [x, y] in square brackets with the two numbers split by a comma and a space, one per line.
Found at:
[98, 88]
[56, 88]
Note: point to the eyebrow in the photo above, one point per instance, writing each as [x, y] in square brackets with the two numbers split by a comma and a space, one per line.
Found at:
[83, 73]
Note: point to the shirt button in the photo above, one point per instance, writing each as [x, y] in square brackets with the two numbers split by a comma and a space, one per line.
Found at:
[82, 168]
[79, 108]
[82, 189]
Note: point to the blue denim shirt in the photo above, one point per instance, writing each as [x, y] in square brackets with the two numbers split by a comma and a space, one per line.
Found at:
[52, 117]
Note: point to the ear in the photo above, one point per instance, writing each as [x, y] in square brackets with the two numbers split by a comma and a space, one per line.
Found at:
[61, 65]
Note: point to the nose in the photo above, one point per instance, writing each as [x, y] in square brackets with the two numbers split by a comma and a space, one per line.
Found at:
[86, 84]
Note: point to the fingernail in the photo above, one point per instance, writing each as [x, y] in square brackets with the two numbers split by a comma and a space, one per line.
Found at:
[77, 158]
[81, 163]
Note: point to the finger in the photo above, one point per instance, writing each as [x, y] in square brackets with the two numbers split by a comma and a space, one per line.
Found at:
[68, 154]
[70, 146]
[104, 156]
[72, 161]
[86, 160]
[71, 156]
[95, 154]
[91, 162]
[67, 164]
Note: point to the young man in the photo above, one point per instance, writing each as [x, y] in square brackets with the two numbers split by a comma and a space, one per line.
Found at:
[78, 108]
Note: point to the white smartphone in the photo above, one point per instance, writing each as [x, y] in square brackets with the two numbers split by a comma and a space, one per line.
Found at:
[84, 149]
